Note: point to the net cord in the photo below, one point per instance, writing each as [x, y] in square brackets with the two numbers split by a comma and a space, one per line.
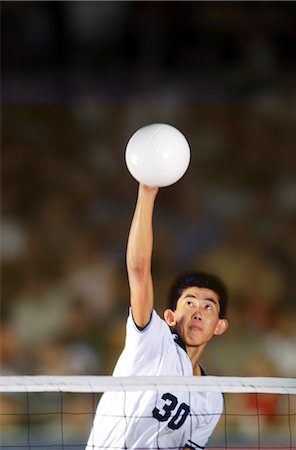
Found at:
[98, 384]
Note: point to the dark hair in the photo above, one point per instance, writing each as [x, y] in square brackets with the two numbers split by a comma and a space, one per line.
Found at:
[202, 280]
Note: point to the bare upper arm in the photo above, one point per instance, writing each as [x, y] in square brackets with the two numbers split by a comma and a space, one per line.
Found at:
[141, 297]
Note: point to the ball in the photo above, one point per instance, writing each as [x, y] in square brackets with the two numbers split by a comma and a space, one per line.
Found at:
[157, 155]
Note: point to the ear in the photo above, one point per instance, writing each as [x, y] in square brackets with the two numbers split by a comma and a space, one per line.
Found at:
[221, 327]
[169, 317]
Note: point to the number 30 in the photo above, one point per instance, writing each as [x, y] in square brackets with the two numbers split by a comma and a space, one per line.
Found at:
[164, 414]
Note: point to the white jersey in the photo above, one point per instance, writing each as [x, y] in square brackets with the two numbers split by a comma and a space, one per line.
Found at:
[152, 420]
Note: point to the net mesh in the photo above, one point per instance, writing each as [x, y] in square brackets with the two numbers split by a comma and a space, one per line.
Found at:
[57, 412]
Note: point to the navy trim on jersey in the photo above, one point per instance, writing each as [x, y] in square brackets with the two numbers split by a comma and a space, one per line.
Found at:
[179, 341]
[141, 328]
[192, 445]
[181, 344]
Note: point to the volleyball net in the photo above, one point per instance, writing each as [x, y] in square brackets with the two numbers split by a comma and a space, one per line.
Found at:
[49, 412]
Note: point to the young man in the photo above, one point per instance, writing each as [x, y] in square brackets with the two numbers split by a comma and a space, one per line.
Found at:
[170, 420]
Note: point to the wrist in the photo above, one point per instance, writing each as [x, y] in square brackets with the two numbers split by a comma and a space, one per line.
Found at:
[152, 190]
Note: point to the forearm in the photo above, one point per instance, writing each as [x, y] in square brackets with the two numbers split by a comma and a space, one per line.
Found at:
[140, 240]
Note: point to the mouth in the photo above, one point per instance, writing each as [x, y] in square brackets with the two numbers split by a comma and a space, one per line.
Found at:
[195, 328]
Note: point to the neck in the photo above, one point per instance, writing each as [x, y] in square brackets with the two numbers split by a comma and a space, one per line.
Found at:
[194, 354]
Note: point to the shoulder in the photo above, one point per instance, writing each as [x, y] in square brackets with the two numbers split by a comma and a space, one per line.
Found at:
[155, 322]
[146, 350]
[156, 334]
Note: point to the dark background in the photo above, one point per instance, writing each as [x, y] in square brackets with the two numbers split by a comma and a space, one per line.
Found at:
[78, 79]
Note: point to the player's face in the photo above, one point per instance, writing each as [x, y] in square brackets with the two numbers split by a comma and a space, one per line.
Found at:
[197, 316]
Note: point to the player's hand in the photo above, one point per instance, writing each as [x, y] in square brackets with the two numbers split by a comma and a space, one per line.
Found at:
[145, 188]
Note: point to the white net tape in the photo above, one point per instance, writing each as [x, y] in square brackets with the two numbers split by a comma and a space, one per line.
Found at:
[142, 383]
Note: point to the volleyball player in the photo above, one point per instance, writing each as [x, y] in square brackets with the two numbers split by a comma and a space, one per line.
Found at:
[164, 420]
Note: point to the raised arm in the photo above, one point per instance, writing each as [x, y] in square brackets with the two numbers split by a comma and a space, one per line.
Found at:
[139, 255]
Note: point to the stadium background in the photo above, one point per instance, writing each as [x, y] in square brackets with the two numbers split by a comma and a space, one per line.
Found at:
[78, 78]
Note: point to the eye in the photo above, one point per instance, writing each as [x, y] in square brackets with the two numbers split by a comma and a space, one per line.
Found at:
[189, 303]
[208, 306]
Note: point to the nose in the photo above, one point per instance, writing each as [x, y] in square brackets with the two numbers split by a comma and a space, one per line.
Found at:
[197, 317]
[197, 314]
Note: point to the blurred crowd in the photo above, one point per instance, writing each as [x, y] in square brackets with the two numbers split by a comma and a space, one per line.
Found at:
[223, 75]
[67, 204]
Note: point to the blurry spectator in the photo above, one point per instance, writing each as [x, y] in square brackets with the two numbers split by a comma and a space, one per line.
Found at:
[39, 312]
[60, 358]
[279, 342]
[10, 362]
[92, 276]
[13, 242]
[247, 270]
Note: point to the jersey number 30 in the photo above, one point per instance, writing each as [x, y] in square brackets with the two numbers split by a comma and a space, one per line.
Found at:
[170, 411]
